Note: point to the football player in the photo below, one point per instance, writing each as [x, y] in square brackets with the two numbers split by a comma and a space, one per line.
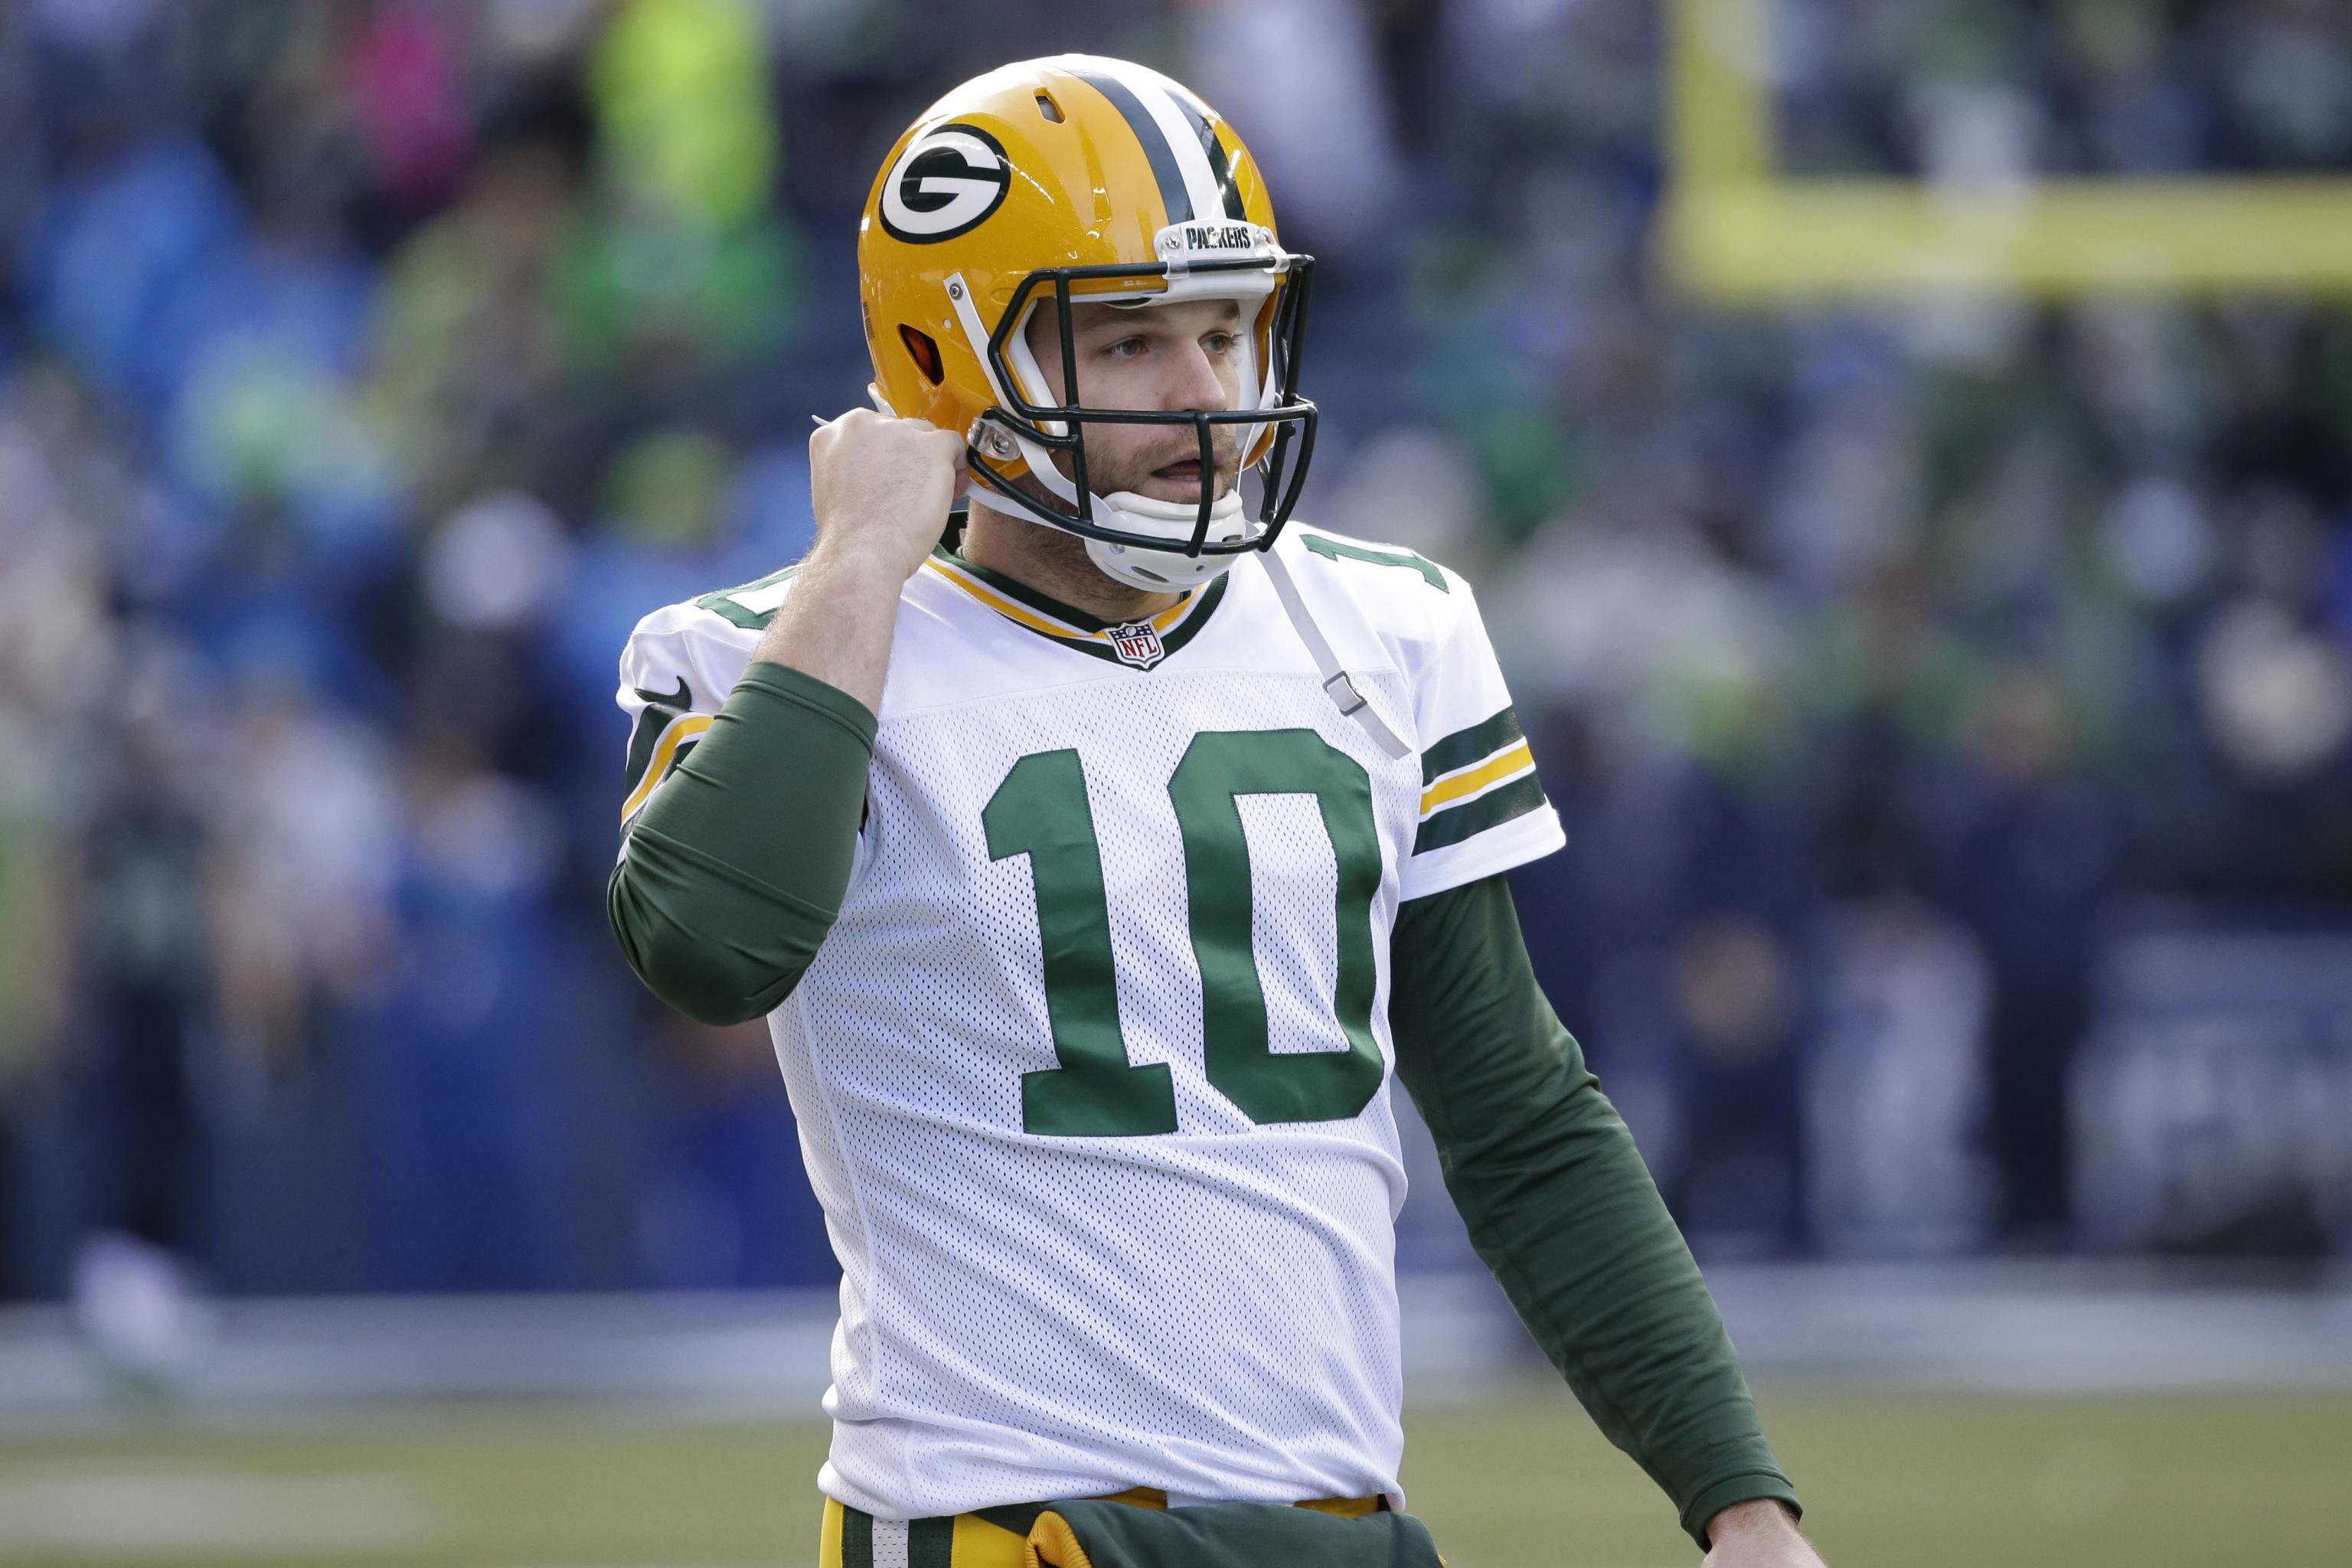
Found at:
[1097, 873]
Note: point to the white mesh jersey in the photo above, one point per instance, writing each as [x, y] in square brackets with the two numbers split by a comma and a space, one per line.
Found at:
[1092, 1073]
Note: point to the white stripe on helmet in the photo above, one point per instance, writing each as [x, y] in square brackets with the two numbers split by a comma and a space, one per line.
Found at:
[1156, 93]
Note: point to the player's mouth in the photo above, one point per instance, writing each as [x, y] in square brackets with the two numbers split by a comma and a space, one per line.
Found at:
[1178, 480]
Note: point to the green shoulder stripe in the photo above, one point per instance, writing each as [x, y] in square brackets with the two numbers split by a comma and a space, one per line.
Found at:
[1332, 549]
[1477, 813]
[1463, 747]
[731, 602]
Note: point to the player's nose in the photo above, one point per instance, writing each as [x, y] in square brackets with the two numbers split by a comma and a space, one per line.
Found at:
[1193, 381]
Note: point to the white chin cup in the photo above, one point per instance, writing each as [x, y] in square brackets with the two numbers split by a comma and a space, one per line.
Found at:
[1154, 571]
[1165, 570]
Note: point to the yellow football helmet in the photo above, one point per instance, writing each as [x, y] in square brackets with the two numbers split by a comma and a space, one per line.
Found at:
[1079, 177]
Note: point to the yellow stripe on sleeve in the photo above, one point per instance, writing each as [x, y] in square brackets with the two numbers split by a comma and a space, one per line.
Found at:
[1516, 758]
[681, 730]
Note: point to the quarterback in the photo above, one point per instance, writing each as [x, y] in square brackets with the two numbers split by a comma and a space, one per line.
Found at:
[1099, 866]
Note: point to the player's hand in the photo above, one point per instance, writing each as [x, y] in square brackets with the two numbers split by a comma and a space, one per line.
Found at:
[1758, 1534]
[882, 488]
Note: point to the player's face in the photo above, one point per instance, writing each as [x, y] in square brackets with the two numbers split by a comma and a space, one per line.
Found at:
[1184, 357]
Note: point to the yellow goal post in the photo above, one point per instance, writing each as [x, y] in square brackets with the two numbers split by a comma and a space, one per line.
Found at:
[1737, 230]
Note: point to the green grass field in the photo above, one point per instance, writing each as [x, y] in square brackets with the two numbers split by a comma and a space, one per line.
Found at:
[1923, 1481]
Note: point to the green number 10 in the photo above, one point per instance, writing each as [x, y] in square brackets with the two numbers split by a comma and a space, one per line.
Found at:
[1040, 810]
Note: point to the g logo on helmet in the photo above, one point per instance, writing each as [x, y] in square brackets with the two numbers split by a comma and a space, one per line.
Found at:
[945, 183]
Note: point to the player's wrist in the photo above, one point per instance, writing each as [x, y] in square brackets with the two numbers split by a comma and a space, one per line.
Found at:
[852, 549]
[1760, 1516]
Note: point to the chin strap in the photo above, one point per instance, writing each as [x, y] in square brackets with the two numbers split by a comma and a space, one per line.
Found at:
[1336, 684]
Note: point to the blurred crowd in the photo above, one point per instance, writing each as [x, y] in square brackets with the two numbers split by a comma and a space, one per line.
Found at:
[366, 369]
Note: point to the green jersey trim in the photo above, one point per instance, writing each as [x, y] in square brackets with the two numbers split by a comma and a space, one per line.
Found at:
[732, 603]
[1453, 823]
[1476, 743]
[1073, 628]
[1332, 549]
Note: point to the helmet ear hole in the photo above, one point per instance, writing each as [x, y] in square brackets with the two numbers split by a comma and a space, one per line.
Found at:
[924, 351]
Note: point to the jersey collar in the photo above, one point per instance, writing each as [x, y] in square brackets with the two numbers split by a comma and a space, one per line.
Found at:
[1140, 645]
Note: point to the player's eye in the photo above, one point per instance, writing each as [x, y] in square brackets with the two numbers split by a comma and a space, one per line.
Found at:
[1126, 348]
[1221, 343]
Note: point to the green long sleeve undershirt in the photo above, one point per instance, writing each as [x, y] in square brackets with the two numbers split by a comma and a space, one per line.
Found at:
[1561, 1208]
[735, 870]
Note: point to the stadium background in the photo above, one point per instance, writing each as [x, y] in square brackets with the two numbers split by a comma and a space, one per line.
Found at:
[1926, 575]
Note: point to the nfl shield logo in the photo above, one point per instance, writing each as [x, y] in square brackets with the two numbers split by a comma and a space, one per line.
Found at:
[1136, 643]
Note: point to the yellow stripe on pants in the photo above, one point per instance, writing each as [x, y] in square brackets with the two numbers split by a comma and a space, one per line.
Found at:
[849, 1539]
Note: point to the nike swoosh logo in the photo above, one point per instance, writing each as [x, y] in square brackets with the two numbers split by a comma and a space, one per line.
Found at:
[660, 710]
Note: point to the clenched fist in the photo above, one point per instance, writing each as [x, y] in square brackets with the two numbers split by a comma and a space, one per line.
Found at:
[882, 487]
